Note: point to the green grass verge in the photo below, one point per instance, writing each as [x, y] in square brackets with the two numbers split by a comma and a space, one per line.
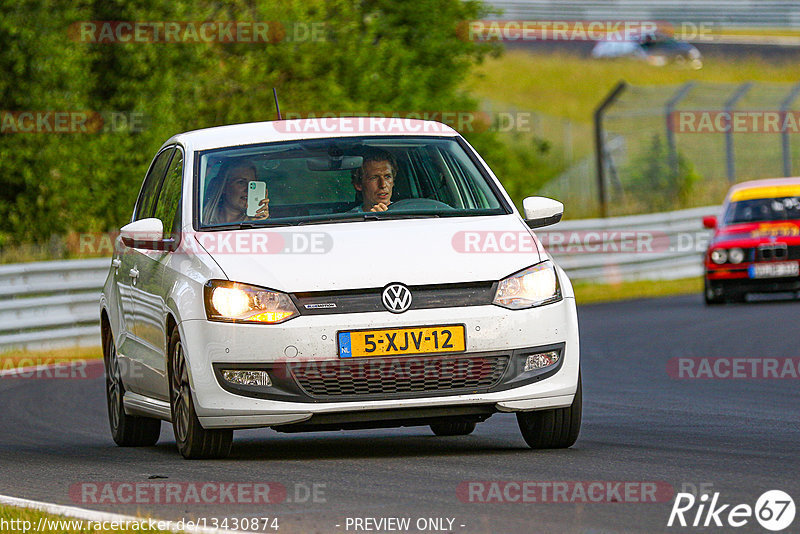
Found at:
[570, 86]
[593, 293]
[13, 519]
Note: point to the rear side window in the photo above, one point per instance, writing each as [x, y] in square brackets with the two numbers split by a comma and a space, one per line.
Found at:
[169, 198]
[152, 182]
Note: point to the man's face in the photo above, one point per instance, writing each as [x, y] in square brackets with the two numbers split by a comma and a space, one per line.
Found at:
[376, 184]
[236, 187]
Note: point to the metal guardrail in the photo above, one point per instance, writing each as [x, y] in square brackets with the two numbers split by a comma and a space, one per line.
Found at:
[51, 304]
[660, 246]
[744, 13]
[54, 304]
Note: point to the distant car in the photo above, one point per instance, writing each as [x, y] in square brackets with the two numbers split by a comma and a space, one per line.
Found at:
[657, 49]
[756, 243]
[324, 314]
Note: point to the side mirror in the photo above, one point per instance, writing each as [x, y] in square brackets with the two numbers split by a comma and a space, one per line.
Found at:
[710, 222]
[146, 234]
[542, 211]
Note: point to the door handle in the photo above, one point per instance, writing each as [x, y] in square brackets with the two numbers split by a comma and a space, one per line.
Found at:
[116, 262]
[134, 273]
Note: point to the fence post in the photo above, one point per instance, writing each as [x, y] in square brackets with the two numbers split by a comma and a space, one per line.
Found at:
[787, 154]
[600, 144]
[669, 108]
[729, 156]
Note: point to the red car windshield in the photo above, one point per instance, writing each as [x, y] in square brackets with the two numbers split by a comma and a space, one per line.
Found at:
[763, 209]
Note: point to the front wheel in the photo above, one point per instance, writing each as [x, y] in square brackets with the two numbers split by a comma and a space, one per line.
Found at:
[711, 297]
[126, 430]
[553, 429]
[193, 440]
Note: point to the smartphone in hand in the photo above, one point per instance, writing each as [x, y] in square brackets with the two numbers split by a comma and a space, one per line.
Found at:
[256, 192]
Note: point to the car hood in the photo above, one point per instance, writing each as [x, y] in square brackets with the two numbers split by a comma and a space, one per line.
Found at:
[748, 233]
[375, 253]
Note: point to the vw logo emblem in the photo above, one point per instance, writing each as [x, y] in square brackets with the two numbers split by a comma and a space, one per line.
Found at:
[396, 298]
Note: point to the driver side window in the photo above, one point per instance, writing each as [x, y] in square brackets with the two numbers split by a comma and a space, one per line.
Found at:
[147, 196]
[169, 198]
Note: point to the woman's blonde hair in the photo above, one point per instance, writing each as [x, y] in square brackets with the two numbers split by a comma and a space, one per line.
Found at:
[216, 188]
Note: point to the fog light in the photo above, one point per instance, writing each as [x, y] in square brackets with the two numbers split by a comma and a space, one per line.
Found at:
[247, 378]
[541, 360]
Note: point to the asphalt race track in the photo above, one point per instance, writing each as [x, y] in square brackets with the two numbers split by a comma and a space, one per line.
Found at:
[738, 437]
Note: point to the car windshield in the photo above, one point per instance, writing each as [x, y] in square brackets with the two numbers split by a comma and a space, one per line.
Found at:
[763, 209]
[339, 180]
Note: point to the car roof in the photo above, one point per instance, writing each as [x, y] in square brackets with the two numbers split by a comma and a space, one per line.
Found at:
[768, 188]
[315, 128]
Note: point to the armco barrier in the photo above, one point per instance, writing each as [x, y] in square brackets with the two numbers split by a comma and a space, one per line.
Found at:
[727, 13]
[45, 305]
[51, 304]
[677, 243]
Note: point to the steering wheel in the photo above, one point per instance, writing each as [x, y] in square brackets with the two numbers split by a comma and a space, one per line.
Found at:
[419, 204]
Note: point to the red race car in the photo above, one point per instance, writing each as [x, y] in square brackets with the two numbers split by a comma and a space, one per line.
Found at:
[756, 245]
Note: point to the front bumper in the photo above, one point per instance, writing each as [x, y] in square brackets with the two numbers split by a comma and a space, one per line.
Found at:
[491, 330]
[731, 286]
[730, 280]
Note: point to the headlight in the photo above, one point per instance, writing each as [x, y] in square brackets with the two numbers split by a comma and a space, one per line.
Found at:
[719, 256]
[736, 255]
[534, 286]
[242, 303]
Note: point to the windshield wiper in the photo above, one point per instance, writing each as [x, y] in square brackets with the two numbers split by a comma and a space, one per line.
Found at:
[250, 225]
[349, 218]
[411, 215]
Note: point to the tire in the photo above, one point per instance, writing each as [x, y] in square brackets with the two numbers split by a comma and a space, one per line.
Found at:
[453, 428]
[126, 430]
[553, 429]
[194, 441]
[710, 297]
[736, 298]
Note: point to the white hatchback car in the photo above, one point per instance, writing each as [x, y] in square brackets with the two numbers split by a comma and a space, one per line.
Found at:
[328, 274]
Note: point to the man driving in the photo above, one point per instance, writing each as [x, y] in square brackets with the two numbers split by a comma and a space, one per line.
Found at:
[375, 181]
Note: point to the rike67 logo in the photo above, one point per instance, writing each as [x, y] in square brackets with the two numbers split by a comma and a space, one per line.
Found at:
[774, 510]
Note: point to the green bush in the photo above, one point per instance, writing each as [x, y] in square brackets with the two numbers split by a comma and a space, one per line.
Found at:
[375, 55]
[652, 182]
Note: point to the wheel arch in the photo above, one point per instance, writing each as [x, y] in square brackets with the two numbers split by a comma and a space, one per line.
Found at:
[105, 330]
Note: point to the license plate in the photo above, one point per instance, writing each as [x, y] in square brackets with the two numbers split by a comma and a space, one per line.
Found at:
[401, 341]
[774, 270]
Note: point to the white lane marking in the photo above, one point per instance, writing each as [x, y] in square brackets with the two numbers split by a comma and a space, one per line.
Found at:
[94, 515]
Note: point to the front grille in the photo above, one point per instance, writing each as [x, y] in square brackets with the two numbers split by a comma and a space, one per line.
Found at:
[773, 251]
[369, 300]
[398, 376]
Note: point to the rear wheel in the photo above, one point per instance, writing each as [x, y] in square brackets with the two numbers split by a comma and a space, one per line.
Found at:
[454, 428]
[127, 430]
[553, 429]
[192, 439]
